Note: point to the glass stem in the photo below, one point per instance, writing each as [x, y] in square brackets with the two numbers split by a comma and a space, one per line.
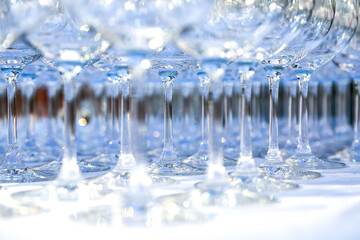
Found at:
[138, 130]
[204, 113]
[168, 115]
[356, 112]
[303, 144]
[273, 153]
[228, 113]
[113, 110]
[108, 129]
[70, 169]
[256, 119]
[246, 161]
[292, 111]
[11, 83]
[125, 124]
[215, 126]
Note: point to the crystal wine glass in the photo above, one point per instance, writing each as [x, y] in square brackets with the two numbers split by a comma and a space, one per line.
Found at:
[18, 17]
[68, 46]
[342, 30]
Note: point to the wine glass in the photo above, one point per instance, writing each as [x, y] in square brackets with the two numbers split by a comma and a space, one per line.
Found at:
[342, 30]
[168, 64]
[138, 28]
[18, 17]
[349, 62]
[321, 18]
[67, 46]
[216, 44]
[285, 27]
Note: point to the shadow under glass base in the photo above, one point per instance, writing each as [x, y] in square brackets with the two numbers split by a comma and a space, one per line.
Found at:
[256, 182]
[310, 161]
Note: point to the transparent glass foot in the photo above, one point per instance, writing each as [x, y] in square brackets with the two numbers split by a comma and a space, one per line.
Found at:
[154, 154]
[286, 173]
[125, 162]
[169, 165]
[13, 170]
[256, 182]
[200, 160]
[107, 159]
[177, 168]
[345, 155]
[85, 167]
[310, 161]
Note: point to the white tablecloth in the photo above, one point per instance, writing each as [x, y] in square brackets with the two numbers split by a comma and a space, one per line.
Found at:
[323, 208]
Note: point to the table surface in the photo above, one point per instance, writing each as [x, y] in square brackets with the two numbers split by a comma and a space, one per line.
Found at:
[323, 208]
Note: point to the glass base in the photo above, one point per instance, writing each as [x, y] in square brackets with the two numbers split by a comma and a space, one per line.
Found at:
[287, 173]
[21, 175]
[310, 161]
[103, 159]
[256, 182]
[154, 154]
[125, 162]
[200, 160]
[12, 170]
[173, 169]
[85, 167]
[345, 155]
[223, 194]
